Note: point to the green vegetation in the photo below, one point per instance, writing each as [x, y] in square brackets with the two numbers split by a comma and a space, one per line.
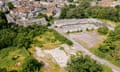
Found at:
[110, 22]
[84, 10]
[106, 68]
[46, 41]
[31, 65]
[15, 40]
[40, 16]
[70, 0]
[19, 36]
[10, 5]
[24, 36]
[18, 59]
[110, 48]
[80, 63]
[50, 39]
[62, 38]
[103, 30]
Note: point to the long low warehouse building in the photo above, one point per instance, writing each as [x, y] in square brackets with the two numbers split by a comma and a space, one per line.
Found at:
[81, 22]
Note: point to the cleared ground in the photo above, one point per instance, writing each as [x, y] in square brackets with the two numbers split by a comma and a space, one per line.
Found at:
[87, 39]
[50, 64]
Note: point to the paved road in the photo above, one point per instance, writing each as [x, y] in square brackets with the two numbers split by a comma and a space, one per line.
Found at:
[87, 52]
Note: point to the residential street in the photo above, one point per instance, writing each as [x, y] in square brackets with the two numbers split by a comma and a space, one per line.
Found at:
[87, 52]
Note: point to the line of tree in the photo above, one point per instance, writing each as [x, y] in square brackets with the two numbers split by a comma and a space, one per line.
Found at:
[20, 36]
[84, 10]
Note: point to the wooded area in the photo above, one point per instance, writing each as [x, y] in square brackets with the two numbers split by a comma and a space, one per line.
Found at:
[84, 10]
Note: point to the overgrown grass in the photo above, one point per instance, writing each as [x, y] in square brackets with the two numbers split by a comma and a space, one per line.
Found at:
[50, 39]
[11, 57]
[106, 68]
[47, 41]
[105, 56]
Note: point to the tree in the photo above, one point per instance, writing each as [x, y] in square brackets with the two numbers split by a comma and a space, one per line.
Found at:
[80, 63]
[10, 5]
[103, 30]
[31, 65]
[3, 24]
[70, 0]
[110, 48]
[3, 70]
[22, 40]
[104, 48]
[63, 12]
[84, 10]
[84, 3]
[116, 53]
[6, 38]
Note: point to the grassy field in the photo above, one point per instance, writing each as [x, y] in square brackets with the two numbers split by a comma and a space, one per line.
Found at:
[50, 39]
[47, 41]
[12, 58]
[105, 56]
[106, 69]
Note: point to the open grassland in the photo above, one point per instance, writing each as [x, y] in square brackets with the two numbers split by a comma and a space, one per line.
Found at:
[12, 58]
[50, 39]
[107, 55]
[47, 41]
[106, 69]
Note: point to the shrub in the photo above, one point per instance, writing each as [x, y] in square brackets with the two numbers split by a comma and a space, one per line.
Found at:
[103, 30]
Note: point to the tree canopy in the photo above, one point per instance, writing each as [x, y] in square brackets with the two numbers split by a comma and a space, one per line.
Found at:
[103, 30]
[84, 10]
[10, 5]
[80, 63]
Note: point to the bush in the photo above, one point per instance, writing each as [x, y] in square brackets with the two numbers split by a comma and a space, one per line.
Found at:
[103, 30]
[79, 63]
[3, 70]
[31, 65]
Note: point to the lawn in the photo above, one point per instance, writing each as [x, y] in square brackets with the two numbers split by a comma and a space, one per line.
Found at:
[12, 58]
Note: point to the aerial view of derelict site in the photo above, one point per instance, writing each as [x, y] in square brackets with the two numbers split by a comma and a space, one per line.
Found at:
[59, 35]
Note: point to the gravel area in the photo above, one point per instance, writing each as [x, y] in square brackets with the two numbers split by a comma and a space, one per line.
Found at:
[89, 39]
